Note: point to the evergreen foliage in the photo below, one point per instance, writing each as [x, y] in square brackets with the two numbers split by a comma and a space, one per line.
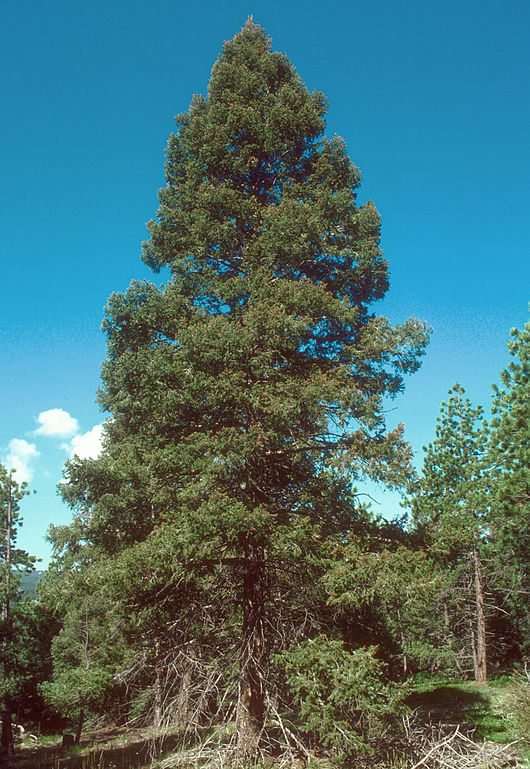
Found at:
[446, 506]
[20, 562]
[449, 509]
[245, 396]
[82, 653]
[509, 459]
[343, 696]
[13, 562]
[220, 569]
[385, 581]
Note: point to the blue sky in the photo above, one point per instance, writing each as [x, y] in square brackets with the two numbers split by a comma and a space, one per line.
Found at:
[431, 98]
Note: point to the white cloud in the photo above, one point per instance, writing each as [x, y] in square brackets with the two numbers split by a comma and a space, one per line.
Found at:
[21, 454]
[57, 423]
[87, 445]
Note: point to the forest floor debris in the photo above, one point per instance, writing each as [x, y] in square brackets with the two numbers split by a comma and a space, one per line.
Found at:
[452, 725]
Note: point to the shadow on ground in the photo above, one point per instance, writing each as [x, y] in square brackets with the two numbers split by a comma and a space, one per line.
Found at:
[465, 705]
[133, 750]
[444, 699]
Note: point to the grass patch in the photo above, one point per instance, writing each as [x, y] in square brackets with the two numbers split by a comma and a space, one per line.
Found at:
[481, 709]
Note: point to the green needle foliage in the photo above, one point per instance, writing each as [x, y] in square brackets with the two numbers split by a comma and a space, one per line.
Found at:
[82, 669]
[509, 457]
[343, 696]
[13, 562]
[392, 586]
[449, 508]
[246, 394]
[446, 505]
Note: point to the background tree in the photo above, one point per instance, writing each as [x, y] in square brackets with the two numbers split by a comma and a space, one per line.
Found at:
[34, 627]
[449, 509]
[82, 668]
[246, 394]
[509, 459]
[385, 582]
[13, 561]
[145, 620]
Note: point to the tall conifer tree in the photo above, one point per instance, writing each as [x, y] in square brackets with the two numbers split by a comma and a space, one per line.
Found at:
[13, 561]
[246, 395]
[450, 507]
[509, 459]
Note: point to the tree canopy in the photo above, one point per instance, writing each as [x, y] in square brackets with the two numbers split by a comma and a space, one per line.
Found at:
[13, 562]
[509, 453]
[245, 396]
[223, 573]
[449, 507]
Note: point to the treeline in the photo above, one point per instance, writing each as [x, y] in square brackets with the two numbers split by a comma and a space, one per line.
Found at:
[221, 567]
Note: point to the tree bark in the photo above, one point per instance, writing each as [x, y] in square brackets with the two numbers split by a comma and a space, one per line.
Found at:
[80, 722]
[473, 646]
[251, 707]
[157, 707]
[183, 699]
[481, 670]
[7, 745]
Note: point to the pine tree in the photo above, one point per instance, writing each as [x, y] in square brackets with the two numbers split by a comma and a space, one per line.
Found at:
[509, 459]
[13, 560]
[246, 395]
[80, 653]
[449, 507]
[390, 585]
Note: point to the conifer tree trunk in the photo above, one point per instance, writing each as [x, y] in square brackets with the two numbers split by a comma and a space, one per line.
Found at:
[157, 708]
[473, 643]
[251, 710]
[183, 699]
[481, 671]
[79, 729]
[7, 732]
[447, 623]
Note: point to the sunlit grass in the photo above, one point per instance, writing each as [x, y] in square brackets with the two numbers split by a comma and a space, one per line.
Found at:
[483, 708]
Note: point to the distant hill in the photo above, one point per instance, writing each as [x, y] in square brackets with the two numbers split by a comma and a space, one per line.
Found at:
[29, 582]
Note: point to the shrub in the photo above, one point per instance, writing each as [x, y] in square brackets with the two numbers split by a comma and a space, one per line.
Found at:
[343, 697]
[520, 707]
